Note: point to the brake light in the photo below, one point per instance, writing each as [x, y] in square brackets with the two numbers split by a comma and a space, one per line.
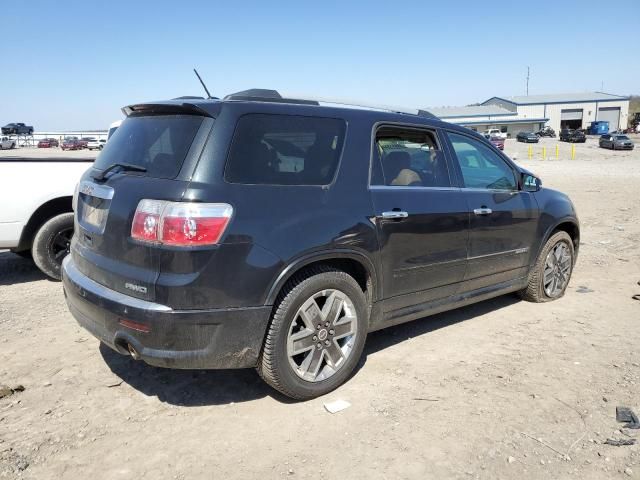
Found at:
[180, 223]
[147, 220]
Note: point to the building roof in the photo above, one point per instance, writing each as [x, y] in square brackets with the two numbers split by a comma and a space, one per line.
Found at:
[561, 98]
[470, 111]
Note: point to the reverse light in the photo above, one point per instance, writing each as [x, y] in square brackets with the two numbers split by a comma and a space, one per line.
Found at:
[180, 223]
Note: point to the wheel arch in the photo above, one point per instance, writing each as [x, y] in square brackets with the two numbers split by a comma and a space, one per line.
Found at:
[355, 263]
[570, 226]
[44, 212]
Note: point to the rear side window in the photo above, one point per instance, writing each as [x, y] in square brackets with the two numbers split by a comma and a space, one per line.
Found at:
[158, 143]
[285, 150]
[409, 157]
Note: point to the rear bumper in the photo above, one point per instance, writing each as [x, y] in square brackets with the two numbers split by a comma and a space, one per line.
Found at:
[222, 338]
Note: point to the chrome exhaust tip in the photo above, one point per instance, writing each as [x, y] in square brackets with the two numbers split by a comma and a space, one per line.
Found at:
[133, 352]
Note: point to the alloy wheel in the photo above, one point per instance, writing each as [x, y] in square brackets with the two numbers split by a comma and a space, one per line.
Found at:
[322, 335]
[557, 270]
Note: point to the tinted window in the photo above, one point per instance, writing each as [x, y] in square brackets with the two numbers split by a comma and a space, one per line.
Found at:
[409, 157]
[158, 143]
[481, 167]
[285, 150]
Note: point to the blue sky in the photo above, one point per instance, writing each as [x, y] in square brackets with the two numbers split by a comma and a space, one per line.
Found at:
[73, 64]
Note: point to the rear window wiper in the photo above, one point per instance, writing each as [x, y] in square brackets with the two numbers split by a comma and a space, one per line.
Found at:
[124, 167]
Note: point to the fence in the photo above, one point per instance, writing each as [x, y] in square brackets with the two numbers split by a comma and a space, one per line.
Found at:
[32, 140]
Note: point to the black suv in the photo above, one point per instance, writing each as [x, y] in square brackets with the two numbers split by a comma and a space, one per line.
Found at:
[17, 129]
[574, 136]
[260, 231]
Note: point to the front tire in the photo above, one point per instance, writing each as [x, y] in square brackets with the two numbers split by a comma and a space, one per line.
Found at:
[550, 276]
[316, 335]
[51, 244]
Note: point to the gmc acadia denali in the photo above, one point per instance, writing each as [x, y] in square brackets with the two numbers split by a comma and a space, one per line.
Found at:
[275, 233]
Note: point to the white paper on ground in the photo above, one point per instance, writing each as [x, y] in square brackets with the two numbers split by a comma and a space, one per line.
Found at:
[336, 406]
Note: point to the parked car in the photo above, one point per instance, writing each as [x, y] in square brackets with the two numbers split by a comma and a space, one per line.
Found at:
[496, 132]
[48, 143]
[574, 136]
[36, 217]
[17, 129]
[615, 142]
[258, 233]
[84, 141]
[546, 132]
[96, 144]
[527, 137]
[497, 142]
[7, 143]
[70, 144]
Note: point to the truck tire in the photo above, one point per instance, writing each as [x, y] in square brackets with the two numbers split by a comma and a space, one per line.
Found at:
[328, 337]
[51, 244]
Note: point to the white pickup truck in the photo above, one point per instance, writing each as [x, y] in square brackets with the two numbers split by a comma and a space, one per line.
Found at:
[36, 217]
[495, 132]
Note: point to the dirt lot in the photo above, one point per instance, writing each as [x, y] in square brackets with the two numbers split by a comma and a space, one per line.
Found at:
[502, 389]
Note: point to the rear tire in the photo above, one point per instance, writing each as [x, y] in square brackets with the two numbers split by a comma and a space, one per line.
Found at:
[51, 244]
[303, 333]
[546, 271]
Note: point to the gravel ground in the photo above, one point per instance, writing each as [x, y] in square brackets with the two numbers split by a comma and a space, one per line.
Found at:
[500, 389]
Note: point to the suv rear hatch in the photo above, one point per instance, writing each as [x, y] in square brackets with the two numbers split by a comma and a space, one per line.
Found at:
[152, 155]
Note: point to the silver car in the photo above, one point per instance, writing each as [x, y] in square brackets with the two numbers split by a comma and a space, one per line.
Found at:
[616, 142]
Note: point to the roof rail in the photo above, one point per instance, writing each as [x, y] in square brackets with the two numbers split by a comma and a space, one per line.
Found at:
[264, 95]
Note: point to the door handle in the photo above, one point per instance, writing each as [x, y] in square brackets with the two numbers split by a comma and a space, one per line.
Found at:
[395, 214]
[482, 211]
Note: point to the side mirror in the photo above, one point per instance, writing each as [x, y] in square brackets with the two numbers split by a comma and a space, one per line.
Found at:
[530, 183]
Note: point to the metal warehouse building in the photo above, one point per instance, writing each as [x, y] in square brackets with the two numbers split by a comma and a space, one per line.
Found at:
[532, 112]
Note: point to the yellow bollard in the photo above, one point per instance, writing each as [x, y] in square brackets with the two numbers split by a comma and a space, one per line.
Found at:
[530, 152]
[573, 152]
[557, 152]
[544, 153]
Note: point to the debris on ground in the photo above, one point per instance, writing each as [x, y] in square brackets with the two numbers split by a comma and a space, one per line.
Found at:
[583, 289]
[620, 443]
[336, 406]
[628, 416]
[6, 391]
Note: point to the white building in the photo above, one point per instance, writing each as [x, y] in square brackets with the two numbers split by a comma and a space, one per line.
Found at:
[484, 117]
[532, 112]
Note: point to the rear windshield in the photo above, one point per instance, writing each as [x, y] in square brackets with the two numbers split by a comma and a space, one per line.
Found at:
[285, 150]
[158, 143]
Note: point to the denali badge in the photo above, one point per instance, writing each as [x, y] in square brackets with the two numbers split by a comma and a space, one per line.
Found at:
[135, 288]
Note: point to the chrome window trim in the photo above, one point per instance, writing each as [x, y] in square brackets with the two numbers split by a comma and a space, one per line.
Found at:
[408, 188]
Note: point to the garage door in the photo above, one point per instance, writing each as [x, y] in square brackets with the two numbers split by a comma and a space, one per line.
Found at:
[572, 114]
[611, 115]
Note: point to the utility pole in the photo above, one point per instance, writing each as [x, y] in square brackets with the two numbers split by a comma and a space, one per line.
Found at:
[527, 81]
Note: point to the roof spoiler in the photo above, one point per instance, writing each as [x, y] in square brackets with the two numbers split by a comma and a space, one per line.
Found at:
[165, 109]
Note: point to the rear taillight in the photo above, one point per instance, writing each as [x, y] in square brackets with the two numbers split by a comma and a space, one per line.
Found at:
[180, 224]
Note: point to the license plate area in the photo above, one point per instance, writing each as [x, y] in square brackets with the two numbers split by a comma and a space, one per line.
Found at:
[93, 206]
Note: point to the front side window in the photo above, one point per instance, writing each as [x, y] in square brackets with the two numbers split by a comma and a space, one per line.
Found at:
[285, 150]
[409, 157]
[480, 166]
